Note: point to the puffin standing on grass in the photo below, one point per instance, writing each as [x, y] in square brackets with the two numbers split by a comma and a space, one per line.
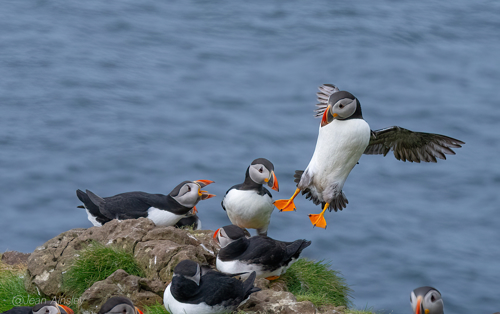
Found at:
[268, 257]
[426, 300]
[250, 204]
[163, 210]
[119, 305]
[194, 290]
[343, 137]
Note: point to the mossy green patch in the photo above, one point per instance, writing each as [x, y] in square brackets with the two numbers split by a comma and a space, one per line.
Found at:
[155, 309]
[13, 292]
[96, 263]
[316, 282]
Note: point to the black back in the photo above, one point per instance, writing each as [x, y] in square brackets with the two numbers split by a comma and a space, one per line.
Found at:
[114, 301]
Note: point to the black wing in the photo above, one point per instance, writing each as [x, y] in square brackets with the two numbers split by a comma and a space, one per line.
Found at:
[411, 146]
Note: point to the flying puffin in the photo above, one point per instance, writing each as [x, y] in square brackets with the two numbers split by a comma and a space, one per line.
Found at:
[268, 257]
[250, 204]
[163, 210]
[49, 307]
[426, 300]
[119, 305]
[343, 137]
[196, 290]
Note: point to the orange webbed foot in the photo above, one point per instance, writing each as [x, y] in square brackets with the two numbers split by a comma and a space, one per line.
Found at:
[285, 205]
[318, 220]
[272, 277]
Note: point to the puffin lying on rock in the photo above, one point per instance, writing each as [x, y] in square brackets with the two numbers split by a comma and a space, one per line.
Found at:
[163, 210]
[197, 290]
[250, 204]
[49, 307]
[119, 305]
[343, 137]
[426, 300]
[240, 255]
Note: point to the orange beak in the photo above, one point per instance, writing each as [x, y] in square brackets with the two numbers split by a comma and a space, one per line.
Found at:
[419, 306]
[205, 195]
[324, 120]
[67, 309]
[194, 210]
[138, 311]
[215, 234]
[275, 182]
[203, 183]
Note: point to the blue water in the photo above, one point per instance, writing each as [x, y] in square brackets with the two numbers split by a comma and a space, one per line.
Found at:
[141, 95]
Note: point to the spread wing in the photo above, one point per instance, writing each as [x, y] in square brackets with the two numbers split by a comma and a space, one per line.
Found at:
[411, 146]
[324, 93]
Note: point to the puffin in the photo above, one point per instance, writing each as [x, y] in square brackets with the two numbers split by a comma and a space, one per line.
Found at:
[189, 222]
[343, 137]
[240, 255]
[200, 290]
[49, 307]
[426, 300]
[163, 210]
[250, 204]
[119, 305]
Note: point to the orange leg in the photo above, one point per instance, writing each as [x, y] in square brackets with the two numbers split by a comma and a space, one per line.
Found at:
[318, 220]
[287, 205]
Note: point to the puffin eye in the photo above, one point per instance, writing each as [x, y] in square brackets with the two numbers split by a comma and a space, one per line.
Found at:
[341, 106]
[433, 299]
[189, 188]
[260, 170]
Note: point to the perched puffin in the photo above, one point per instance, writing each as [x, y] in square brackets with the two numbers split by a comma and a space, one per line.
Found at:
[163, 210]
[119, 305]
[49, 307]
[426, 300]
[250, 204]
[343, 137]
[189, 222]
[268, 257]
[201, 291]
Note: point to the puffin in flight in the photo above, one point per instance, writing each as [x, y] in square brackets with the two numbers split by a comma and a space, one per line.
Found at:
[163, 210]
[343, 137]
[426, 300]
[119, 305]
[195, 290]
[250, 204]
[268, 257]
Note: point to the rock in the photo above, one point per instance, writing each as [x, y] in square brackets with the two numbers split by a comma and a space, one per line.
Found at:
[15, 258]
[143, 292]
[270, 301]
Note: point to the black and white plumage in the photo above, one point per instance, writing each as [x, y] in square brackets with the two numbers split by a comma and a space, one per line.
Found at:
[201, 291]
[48, 307]
[426, 300]
[193, 222]
[269, 258]
[250, 204]
[342, 138]
[163, 210]
[119, 305]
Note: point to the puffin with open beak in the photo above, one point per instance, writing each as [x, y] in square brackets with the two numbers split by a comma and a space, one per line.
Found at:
[119, 305]
[343, 137]
[250, 204]
[163, 210]
[426, 300]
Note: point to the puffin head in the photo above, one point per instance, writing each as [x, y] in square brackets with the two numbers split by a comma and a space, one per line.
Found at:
[341, 105]
[426, 300]
[189, 270]
[119, 305]
[228, 234]
[51, 307]
[261, 171]
[189, 193]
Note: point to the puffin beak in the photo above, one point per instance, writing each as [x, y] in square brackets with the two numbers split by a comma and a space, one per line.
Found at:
[194, 211]
[420, 307]
[204, 195]
[324, 120]
[65, 308]
[203, 183]
[215, 235]
[138, 311]
[273, 182]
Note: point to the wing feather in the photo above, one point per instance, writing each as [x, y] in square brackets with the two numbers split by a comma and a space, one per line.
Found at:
[411, 146]
[325, 91]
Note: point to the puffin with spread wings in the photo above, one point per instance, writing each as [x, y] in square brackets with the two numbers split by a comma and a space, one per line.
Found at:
[343, 137]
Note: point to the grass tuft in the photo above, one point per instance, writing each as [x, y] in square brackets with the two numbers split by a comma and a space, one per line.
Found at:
[316, 282]
[97, 263]
[12, 290]
[155, 309]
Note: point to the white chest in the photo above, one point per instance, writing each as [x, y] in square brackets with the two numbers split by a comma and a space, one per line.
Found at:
[163, 217]
[175, 307]
[248, 209]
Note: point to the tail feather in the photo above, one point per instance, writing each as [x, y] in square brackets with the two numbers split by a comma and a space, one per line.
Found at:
[96, 199]
[248, 287]
[295, 248]
[89, 205]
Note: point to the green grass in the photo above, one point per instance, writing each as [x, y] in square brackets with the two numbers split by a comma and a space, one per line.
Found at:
[13, 292]
[97, 263]
[155, 309]
[316, 282]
